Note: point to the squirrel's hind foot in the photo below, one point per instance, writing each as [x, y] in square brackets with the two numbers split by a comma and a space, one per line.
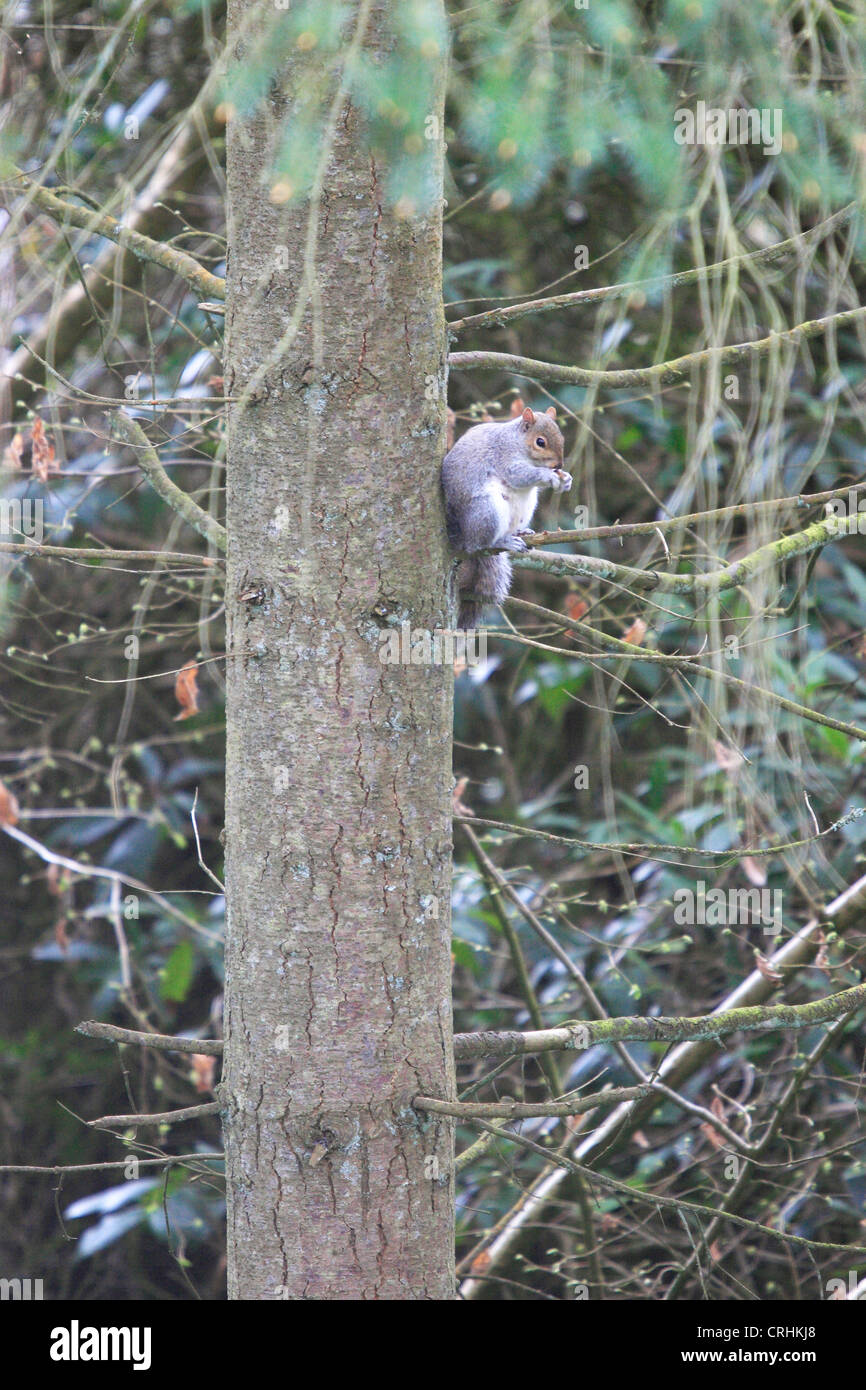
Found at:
[514, 543]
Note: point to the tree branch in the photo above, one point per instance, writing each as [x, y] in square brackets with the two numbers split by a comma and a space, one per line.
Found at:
[662, 373]
[682, 1062]
[167, 1117]
[76, 866]
[61, 329]
[677, 1204]
[167, 1161]
[497, 318]
[658, 849]
[518, 1110]
[802, 501]
[127, 431]
[162, 1042]
[677, 663]
[66, 552]
[777, 552]
[101, 224]
[577, 1037]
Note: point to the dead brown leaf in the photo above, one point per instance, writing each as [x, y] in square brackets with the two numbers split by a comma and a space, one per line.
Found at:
[8, 806]
[186, 690]
[44, 459]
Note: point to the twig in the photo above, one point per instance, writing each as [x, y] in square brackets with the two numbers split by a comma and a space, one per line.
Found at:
[212, 876]
[677, 1204]
[573, 1037]
[681, 1063]
[168, 1117]
[495, 318]
[774, 553]
[519, 1110]
[66, 552]
[660, 851]
[672, 523]
[162, 1042]
[129, 432]
[102, 224]
[679, 663]
[76, 866]
[661, 373]
[123, 1163]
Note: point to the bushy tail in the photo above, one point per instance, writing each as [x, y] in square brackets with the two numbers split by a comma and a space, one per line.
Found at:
[480, 582]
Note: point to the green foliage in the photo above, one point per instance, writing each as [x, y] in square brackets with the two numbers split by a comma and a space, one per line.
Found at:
[177, 973]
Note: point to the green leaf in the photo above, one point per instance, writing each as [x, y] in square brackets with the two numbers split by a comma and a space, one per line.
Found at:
[176, 975]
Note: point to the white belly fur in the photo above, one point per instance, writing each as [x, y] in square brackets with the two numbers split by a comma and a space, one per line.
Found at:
[514, 506]
[521, 505]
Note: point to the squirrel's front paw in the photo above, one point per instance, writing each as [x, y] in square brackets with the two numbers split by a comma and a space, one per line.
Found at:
[563, 480]
[514, 543]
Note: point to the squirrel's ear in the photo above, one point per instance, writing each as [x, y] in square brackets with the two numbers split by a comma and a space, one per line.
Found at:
[528, 417]
[551, 410]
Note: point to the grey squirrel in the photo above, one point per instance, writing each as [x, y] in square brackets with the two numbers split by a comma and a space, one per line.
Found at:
[491, 479]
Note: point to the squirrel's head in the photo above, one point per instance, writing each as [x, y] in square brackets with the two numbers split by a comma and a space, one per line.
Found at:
[544, 441]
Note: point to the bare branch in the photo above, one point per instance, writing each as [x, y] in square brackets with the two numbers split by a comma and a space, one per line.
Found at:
[66, 552]
[168, 1117]
[167, 1161]
[62, 327]
[661, 373]
[101, 224]
[77, 866]
[128, 431]
[497, 318]
[672, 1203]
[679, 1064]
[617, 645]
[162, 1042]
[579, 1036]
[518, 1110]
[774, 553]
[673, 523]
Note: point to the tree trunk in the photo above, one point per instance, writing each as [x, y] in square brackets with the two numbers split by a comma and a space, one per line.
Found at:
[338, 830]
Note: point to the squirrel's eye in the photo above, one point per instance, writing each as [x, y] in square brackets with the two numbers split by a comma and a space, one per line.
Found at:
[541, 442]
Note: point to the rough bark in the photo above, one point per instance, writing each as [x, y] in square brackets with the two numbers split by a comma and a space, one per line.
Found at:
[338, 832]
